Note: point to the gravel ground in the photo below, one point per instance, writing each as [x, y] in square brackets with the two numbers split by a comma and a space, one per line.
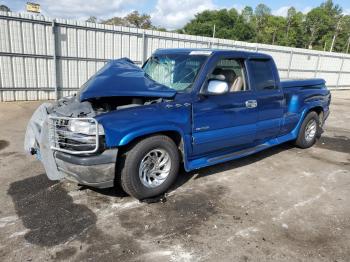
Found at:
[283, 204]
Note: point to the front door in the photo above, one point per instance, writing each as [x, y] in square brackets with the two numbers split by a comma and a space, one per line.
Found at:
[226, 121]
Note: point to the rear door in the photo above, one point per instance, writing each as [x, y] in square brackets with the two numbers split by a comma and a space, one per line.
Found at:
[226, 121]
[270, 98]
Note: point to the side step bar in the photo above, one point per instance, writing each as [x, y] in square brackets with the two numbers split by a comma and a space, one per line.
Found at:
[238, 153]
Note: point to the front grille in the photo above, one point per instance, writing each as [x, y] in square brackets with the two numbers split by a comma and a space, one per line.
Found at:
[64, 140]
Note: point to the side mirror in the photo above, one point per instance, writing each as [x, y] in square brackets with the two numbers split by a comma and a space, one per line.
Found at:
[217, 87]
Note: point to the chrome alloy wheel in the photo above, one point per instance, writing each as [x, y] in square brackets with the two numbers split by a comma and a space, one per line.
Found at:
[310, 130]
[154, 168]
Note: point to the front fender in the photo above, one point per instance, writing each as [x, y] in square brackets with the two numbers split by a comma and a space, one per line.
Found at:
[148, 131]
[123, 126]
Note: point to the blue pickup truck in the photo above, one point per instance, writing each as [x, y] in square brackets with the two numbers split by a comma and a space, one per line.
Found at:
[133, 127]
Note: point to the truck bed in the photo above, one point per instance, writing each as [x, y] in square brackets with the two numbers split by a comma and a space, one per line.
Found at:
[289, 83]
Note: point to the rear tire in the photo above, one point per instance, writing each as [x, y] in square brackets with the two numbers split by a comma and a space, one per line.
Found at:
[149, 167]
[309, 131]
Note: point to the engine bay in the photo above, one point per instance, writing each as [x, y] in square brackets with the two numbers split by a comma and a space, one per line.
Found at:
[72, 107]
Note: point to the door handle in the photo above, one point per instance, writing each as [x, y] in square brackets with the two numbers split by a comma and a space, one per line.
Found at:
[251, 103]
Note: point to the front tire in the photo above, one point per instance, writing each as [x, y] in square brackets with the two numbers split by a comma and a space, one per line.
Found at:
[309, 131]
[149, 167]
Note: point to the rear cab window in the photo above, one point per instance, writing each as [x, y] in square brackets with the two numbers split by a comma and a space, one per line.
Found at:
[261, 75]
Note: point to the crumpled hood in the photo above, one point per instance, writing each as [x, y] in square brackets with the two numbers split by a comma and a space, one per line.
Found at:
[122, 77]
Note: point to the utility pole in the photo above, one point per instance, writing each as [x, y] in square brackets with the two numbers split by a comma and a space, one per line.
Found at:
[214, 31]
[347, 48]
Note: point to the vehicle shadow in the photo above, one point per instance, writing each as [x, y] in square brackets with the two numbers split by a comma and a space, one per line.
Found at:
[184, 176]
[48, 212]
[116, 191]
[337, 143]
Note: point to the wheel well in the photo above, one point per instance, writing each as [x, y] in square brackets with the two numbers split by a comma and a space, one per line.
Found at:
[175, 136]
[319, 111]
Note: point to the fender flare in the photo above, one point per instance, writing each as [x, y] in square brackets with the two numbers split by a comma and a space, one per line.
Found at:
[125, 140]
[304, 113]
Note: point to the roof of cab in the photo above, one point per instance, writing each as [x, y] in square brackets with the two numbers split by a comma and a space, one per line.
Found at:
[243, 54]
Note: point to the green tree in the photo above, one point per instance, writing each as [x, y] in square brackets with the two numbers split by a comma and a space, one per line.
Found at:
[294, 34]
[262, 10]
[322, 24]
[244, 31]
[134, 19]
[114, 21]
[316, 25]
[317, 29]
[247, 14]
[334, 12]
[92, 19]
[138, 20]
[343, 35]
[290, 17]
[262, 13]
[229, 24]
[4, 8]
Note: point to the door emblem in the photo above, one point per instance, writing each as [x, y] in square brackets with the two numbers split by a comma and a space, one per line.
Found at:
[251, 103]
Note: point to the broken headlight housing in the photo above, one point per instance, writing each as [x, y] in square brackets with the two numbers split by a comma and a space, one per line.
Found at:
[85, 127]
[75, 135]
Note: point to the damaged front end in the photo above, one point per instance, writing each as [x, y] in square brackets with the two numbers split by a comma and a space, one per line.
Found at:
[66, 137]
[71, 145]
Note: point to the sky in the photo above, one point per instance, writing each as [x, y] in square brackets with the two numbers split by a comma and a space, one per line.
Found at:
[164, 13]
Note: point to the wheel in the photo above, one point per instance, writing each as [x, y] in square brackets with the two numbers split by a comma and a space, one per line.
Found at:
[309, 131]
[149, 167]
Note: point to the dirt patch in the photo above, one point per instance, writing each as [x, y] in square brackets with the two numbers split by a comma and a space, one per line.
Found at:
[324, 244]
[330, 161]
[48, 211]
[12, 154]
[4, 144]
[6, 154]
[178, 216]
[337, 143]
[64, 254]
[103, 247]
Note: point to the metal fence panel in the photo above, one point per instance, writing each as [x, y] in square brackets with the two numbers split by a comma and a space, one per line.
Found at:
[44, 58]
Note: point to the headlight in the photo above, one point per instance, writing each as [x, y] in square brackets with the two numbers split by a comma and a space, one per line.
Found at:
[85, 127]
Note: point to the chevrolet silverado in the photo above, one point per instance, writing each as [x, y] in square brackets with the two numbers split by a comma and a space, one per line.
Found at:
[133, 127]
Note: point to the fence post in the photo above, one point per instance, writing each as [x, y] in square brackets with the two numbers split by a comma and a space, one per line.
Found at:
[290, 63]
[317, 64]
[339, 73]
[54, 50]
[210, 43]
[144, 48]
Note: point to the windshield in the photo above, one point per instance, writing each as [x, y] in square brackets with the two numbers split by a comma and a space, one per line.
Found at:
[176, 71]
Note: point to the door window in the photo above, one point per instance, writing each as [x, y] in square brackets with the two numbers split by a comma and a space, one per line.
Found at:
[231, 71]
